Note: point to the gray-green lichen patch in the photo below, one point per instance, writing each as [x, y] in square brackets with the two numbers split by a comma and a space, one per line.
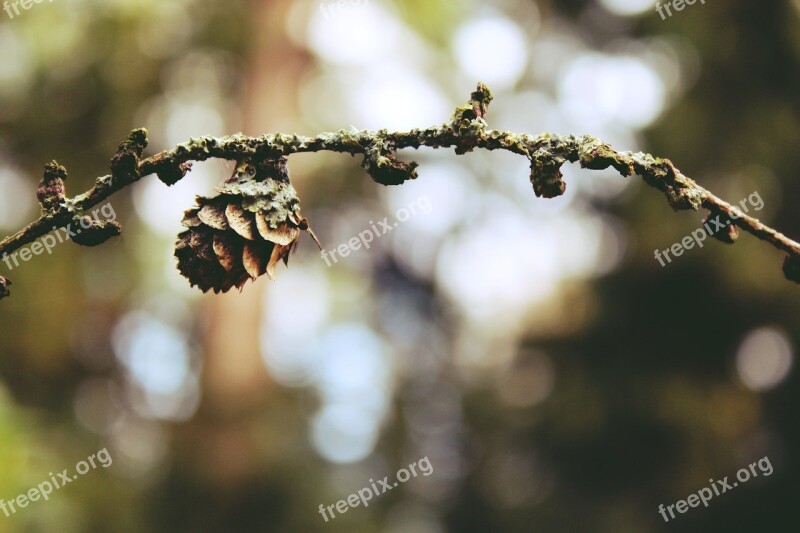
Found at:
[263, 186]
[597, 155]
[682, 197]
[381, 163]
[546, 176]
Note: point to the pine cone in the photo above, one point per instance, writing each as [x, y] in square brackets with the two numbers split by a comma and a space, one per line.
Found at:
[244, 231]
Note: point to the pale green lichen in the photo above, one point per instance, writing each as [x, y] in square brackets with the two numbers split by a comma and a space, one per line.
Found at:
[263, 187]
[381, 163]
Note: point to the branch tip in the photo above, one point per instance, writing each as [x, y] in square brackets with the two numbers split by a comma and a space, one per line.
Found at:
[52, 191]
[125, 163]
[480, 99]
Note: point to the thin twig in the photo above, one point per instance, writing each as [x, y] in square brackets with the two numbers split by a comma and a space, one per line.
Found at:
[466, 131]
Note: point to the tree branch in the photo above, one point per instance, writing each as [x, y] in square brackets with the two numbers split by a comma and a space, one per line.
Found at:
[466, 131]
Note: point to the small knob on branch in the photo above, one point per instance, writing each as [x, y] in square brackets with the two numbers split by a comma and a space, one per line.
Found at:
[52, 191]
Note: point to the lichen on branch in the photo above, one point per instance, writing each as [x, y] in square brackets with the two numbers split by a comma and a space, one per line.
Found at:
[466, 130]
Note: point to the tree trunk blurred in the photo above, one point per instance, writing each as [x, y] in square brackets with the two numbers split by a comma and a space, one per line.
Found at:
[235, 383]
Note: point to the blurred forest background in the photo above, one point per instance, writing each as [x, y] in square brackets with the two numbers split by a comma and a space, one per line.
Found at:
[557, 377]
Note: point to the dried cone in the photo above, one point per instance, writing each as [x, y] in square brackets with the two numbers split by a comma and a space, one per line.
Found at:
[244, 231]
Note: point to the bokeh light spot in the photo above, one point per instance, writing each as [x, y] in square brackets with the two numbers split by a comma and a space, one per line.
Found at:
[764, 359]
